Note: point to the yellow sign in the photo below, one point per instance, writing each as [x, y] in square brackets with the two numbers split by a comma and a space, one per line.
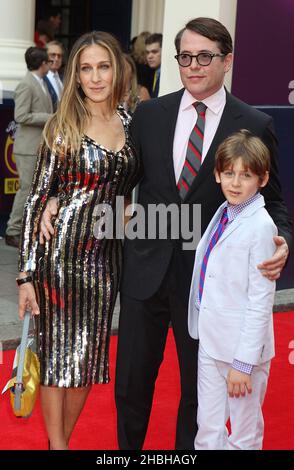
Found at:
[9, 157]
[11, 185]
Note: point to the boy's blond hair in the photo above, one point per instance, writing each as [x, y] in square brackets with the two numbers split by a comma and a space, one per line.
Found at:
[254, 153]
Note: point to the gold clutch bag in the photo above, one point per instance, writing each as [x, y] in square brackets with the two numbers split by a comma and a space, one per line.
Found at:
[24, 384]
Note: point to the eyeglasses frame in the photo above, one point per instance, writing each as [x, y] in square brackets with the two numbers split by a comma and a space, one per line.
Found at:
[212, 55]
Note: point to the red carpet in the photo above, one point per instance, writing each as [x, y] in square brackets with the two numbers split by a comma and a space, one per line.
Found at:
[97, 426]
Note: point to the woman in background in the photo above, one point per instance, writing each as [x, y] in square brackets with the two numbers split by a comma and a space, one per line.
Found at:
[145, 74]
[134, 92]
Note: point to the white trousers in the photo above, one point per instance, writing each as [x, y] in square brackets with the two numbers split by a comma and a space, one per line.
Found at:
[215, 407]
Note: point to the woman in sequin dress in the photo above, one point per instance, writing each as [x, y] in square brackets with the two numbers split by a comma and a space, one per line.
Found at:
[87, 155]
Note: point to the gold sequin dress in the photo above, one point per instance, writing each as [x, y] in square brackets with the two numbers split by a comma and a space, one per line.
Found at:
[77, 275]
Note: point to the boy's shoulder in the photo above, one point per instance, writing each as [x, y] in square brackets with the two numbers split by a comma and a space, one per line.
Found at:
[262, 216]
[262, 223]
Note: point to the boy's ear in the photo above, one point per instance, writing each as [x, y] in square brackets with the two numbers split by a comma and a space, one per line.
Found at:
[264, 180]
[217, 176]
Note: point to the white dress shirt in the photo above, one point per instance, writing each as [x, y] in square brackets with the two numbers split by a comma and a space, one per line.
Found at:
[55, 82]
[186, 120]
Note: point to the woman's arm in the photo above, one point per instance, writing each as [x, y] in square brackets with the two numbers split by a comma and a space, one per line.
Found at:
[46, 173]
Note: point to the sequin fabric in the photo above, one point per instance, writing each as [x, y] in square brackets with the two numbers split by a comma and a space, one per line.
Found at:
[76, 277]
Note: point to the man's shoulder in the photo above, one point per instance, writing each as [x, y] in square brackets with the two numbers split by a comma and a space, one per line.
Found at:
[164, 101]
[26, 83]
[246, 109]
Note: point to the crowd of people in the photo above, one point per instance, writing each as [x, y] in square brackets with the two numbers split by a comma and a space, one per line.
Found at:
[105, 132]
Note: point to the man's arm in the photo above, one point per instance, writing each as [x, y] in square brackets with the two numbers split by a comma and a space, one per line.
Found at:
[272, 192]
[277, 209]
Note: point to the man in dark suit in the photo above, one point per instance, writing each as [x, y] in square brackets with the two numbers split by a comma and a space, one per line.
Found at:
[157, 272]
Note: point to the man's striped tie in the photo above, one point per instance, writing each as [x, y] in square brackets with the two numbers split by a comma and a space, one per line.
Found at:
[216, 236]
[194, 152]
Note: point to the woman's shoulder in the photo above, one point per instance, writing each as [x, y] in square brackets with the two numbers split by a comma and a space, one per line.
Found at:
[126, 117]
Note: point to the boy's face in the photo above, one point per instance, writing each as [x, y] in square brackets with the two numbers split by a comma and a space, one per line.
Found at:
[239, 184]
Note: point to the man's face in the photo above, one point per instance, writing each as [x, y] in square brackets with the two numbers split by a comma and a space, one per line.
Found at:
[55, 57]
[153, 55]
[203, 81]
[55, 21]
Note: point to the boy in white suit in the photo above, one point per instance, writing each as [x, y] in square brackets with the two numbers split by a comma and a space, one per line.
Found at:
[230, 306]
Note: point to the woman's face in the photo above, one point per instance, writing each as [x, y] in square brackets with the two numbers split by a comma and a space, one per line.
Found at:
[95, 73]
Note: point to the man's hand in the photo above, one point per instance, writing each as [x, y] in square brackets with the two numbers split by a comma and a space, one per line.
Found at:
[272, 267]
[238, 382]
[46, 228]
[27, 300]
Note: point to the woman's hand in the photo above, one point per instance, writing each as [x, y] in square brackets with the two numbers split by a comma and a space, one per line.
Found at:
[46, 227]
[27, 300]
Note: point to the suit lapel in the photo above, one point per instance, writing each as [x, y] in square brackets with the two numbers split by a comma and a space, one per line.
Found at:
[171, 109]
[200, 251]
[226, 127]
[241, 218]
[45, 98]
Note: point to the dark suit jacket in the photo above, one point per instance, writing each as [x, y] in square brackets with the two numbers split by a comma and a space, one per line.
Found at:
[153, 126]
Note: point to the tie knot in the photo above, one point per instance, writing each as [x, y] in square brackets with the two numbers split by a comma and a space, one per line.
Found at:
[224, 217]
[200, 107]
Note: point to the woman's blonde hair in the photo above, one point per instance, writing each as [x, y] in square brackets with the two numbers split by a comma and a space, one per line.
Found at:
[68, 123]
[139, 48]
[131, 86]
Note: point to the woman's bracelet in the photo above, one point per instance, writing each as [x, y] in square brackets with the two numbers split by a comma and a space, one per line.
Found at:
[23, 280]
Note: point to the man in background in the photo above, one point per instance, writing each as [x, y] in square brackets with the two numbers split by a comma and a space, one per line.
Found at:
[32, 109]
[153, 55]
[47, 27]
[52, 79]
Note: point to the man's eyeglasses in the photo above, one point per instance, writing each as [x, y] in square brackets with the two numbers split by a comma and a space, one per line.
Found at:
[203, 59]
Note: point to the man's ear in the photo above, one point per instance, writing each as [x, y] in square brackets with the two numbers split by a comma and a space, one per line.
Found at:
[228, 60]
[217, 176]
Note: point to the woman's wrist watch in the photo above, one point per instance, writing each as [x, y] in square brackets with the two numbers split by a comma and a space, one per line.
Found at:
[23, 280]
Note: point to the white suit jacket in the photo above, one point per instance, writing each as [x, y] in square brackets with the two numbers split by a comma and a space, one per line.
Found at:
[235, 317]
